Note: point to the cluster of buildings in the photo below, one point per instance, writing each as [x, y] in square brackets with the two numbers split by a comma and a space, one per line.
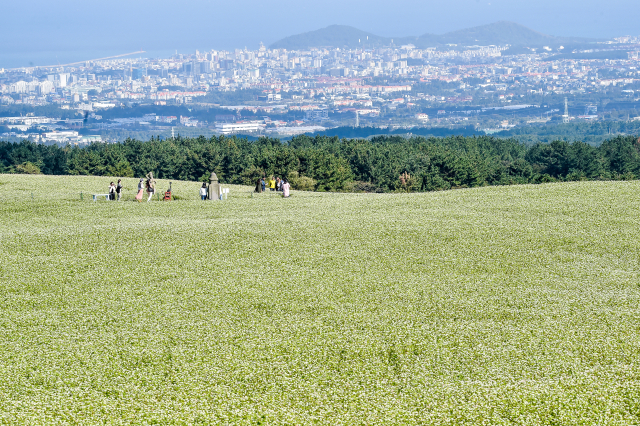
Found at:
[316, 88]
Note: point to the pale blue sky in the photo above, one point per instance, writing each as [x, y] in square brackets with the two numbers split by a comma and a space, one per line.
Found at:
[74, 28]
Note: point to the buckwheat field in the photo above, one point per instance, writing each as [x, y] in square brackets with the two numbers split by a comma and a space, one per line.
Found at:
[497, 305]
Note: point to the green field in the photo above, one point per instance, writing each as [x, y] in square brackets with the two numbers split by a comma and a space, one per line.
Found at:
[495, 305]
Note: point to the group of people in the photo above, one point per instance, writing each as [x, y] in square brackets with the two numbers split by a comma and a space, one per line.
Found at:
[275, 184]
[115, 191]
[148, 184]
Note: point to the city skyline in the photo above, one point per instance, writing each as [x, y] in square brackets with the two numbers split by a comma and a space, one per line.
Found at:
[492, 88]
[70, 30]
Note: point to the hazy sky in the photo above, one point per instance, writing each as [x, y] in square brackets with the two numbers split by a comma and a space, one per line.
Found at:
[90, 27]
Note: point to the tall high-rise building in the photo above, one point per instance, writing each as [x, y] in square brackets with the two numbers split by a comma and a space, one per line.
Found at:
[205, 67]
[45, 87]
[138, 73]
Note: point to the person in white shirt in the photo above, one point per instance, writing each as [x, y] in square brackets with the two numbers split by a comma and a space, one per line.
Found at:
[203, 191]
[285, 188]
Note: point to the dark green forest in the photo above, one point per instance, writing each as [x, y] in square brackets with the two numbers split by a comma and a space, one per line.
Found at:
[322, 163]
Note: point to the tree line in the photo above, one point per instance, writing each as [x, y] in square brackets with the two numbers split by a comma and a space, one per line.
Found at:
[323, 163]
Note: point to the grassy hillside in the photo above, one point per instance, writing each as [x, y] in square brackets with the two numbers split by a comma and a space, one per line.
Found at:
[496, 305]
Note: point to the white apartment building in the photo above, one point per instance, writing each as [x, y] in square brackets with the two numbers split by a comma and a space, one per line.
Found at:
[18, 87]
[45, 87]
[240, 126]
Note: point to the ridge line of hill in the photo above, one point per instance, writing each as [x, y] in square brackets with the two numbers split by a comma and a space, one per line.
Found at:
[497, 33]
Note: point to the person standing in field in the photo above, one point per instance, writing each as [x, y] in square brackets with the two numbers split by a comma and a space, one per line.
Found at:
[278, 184]
[119, 189]
[263, 184]
[259, 185]
[140, 190]
[285, 188]
[112, 191]
[203, 191]
[272, 184]
[151, 186]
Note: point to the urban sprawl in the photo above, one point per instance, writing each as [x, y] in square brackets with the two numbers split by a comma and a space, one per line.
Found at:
[283, 93]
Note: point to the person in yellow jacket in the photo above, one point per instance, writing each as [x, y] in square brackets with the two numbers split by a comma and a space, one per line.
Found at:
[272, 183]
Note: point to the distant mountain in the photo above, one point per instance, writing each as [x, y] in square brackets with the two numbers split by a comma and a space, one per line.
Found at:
[331, 36]
[498, 33]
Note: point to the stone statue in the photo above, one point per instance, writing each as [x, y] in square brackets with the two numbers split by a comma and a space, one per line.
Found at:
[214, 187]
[151, 182]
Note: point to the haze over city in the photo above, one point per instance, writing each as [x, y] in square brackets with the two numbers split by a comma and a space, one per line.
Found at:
[71, 30]
[75, 73]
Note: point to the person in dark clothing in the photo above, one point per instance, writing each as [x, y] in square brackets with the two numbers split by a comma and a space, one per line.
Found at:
[119, 189]
[112, 191]
[259, 186]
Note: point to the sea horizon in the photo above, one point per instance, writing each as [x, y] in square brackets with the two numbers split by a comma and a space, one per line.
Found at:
[10, 60]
